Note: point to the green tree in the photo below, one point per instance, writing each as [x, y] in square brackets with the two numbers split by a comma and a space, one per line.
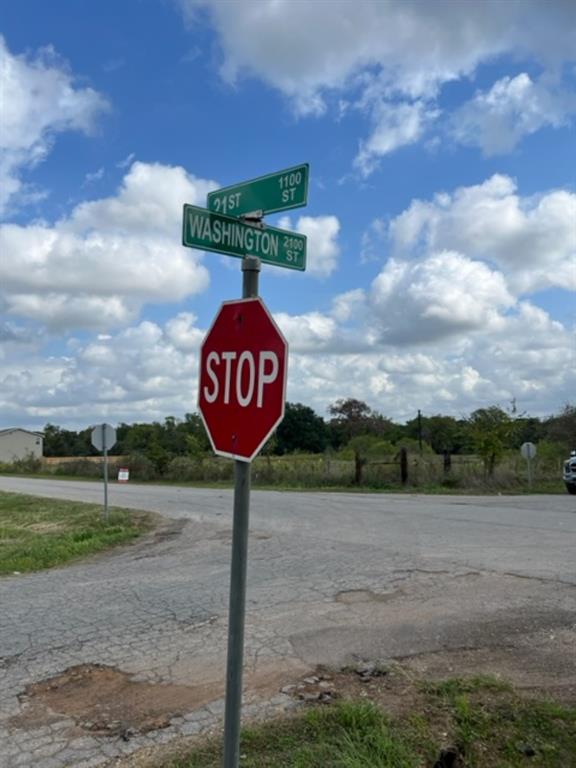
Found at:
[528, 430]
[562, 428]
[412, 445]
[301, 430]
[351, 418]
[65, 442]
[492, 430]
[442, 433]
[197, 443]
[363, 447]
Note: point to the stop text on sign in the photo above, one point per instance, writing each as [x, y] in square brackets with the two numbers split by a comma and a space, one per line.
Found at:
[242, 377]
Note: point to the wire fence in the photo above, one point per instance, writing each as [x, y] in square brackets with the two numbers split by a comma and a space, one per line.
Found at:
[403, 470]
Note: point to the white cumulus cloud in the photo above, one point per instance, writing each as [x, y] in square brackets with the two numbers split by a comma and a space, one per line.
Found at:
[303, 49]
[39, 99]
[441, 295]
[514, 107]
[532, 240]
[391, 58]
[322, 245]
[97, 267]
[150, 370]
[308, 332]
[397, 124]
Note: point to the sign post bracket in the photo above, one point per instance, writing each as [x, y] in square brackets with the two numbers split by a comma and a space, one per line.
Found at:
[254, 219]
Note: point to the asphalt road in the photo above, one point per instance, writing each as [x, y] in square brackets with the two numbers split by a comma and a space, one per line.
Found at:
[443, 581]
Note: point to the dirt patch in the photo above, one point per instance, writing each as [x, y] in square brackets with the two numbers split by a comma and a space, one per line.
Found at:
[533, 669]
[391, 683]
[395, 687]
[353, 596]
[106, 701]
[388, 684]
[224, 536]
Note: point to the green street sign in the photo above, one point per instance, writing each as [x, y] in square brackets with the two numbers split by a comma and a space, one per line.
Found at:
[225, 234]
[266, 194]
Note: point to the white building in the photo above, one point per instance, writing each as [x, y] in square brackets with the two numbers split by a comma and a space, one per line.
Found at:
[19, 443]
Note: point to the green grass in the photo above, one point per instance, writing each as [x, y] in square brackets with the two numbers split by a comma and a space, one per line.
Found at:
[350, 735]
[493, 726]
[482, 718]
[38, 533]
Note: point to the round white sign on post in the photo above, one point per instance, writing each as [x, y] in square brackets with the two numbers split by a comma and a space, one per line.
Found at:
[103, 436]
[528, 450]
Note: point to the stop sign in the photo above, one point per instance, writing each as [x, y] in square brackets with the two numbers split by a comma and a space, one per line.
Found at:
[242, 382]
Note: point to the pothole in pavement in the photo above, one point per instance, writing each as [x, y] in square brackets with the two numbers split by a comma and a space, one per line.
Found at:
[104, 700]
[353, 596]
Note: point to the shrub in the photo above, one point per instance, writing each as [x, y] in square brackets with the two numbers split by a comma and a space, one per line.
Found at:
[79, 468]
[141, 468]
[184, 469]
[217, 470]
[28, 465]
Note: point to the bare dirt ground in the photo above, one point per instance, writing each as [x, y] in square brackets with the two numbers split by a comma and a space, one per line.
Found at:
[105, 701]
[393, 686]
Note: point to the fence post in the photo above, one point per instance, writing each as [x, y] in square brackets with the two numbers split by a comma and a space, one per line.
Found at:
[403, 466]
[447, 462]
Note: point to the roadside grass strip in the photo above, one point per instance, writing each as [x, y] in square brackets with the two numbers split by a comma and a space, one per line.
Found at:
[38, 533]
[463, 723]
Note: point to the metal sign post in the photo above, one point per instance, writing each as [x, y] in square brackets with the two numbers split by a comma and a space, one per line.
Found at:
[528, 451]
[241, 396]
[103, 437]
[105, 475]
[244, 344]
[237, 609]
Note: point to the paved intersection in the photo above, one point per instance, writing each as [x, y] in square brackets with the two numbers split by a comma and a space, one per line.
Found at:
[332, 578]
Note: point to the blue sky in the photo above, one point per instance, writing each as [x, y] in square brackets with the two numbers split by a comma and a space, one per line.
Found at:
[441, 219]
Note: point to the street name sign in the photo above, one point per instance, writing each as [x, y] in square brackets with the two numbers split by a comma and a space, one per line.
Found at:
[274, 192]
[225, 234]
[242, 382]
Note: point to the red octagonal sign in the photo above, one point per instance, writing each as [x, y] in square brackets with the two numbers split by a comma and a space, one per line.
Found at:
[242, 383]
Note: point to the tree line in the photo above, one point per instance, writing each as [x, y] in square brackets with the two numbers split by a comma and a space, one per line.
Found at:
[352, 426]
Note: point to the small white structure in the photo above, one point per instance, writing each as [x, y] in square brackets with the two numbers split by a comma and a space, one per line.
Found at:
[19, 443]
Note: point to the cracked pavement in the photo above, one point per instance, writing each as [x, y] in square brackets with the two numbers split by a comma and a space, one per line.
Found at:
[488, 582]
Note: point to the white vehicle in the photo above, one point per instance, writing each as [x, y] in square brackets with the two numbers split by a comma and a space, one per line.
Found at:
[569, 473]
